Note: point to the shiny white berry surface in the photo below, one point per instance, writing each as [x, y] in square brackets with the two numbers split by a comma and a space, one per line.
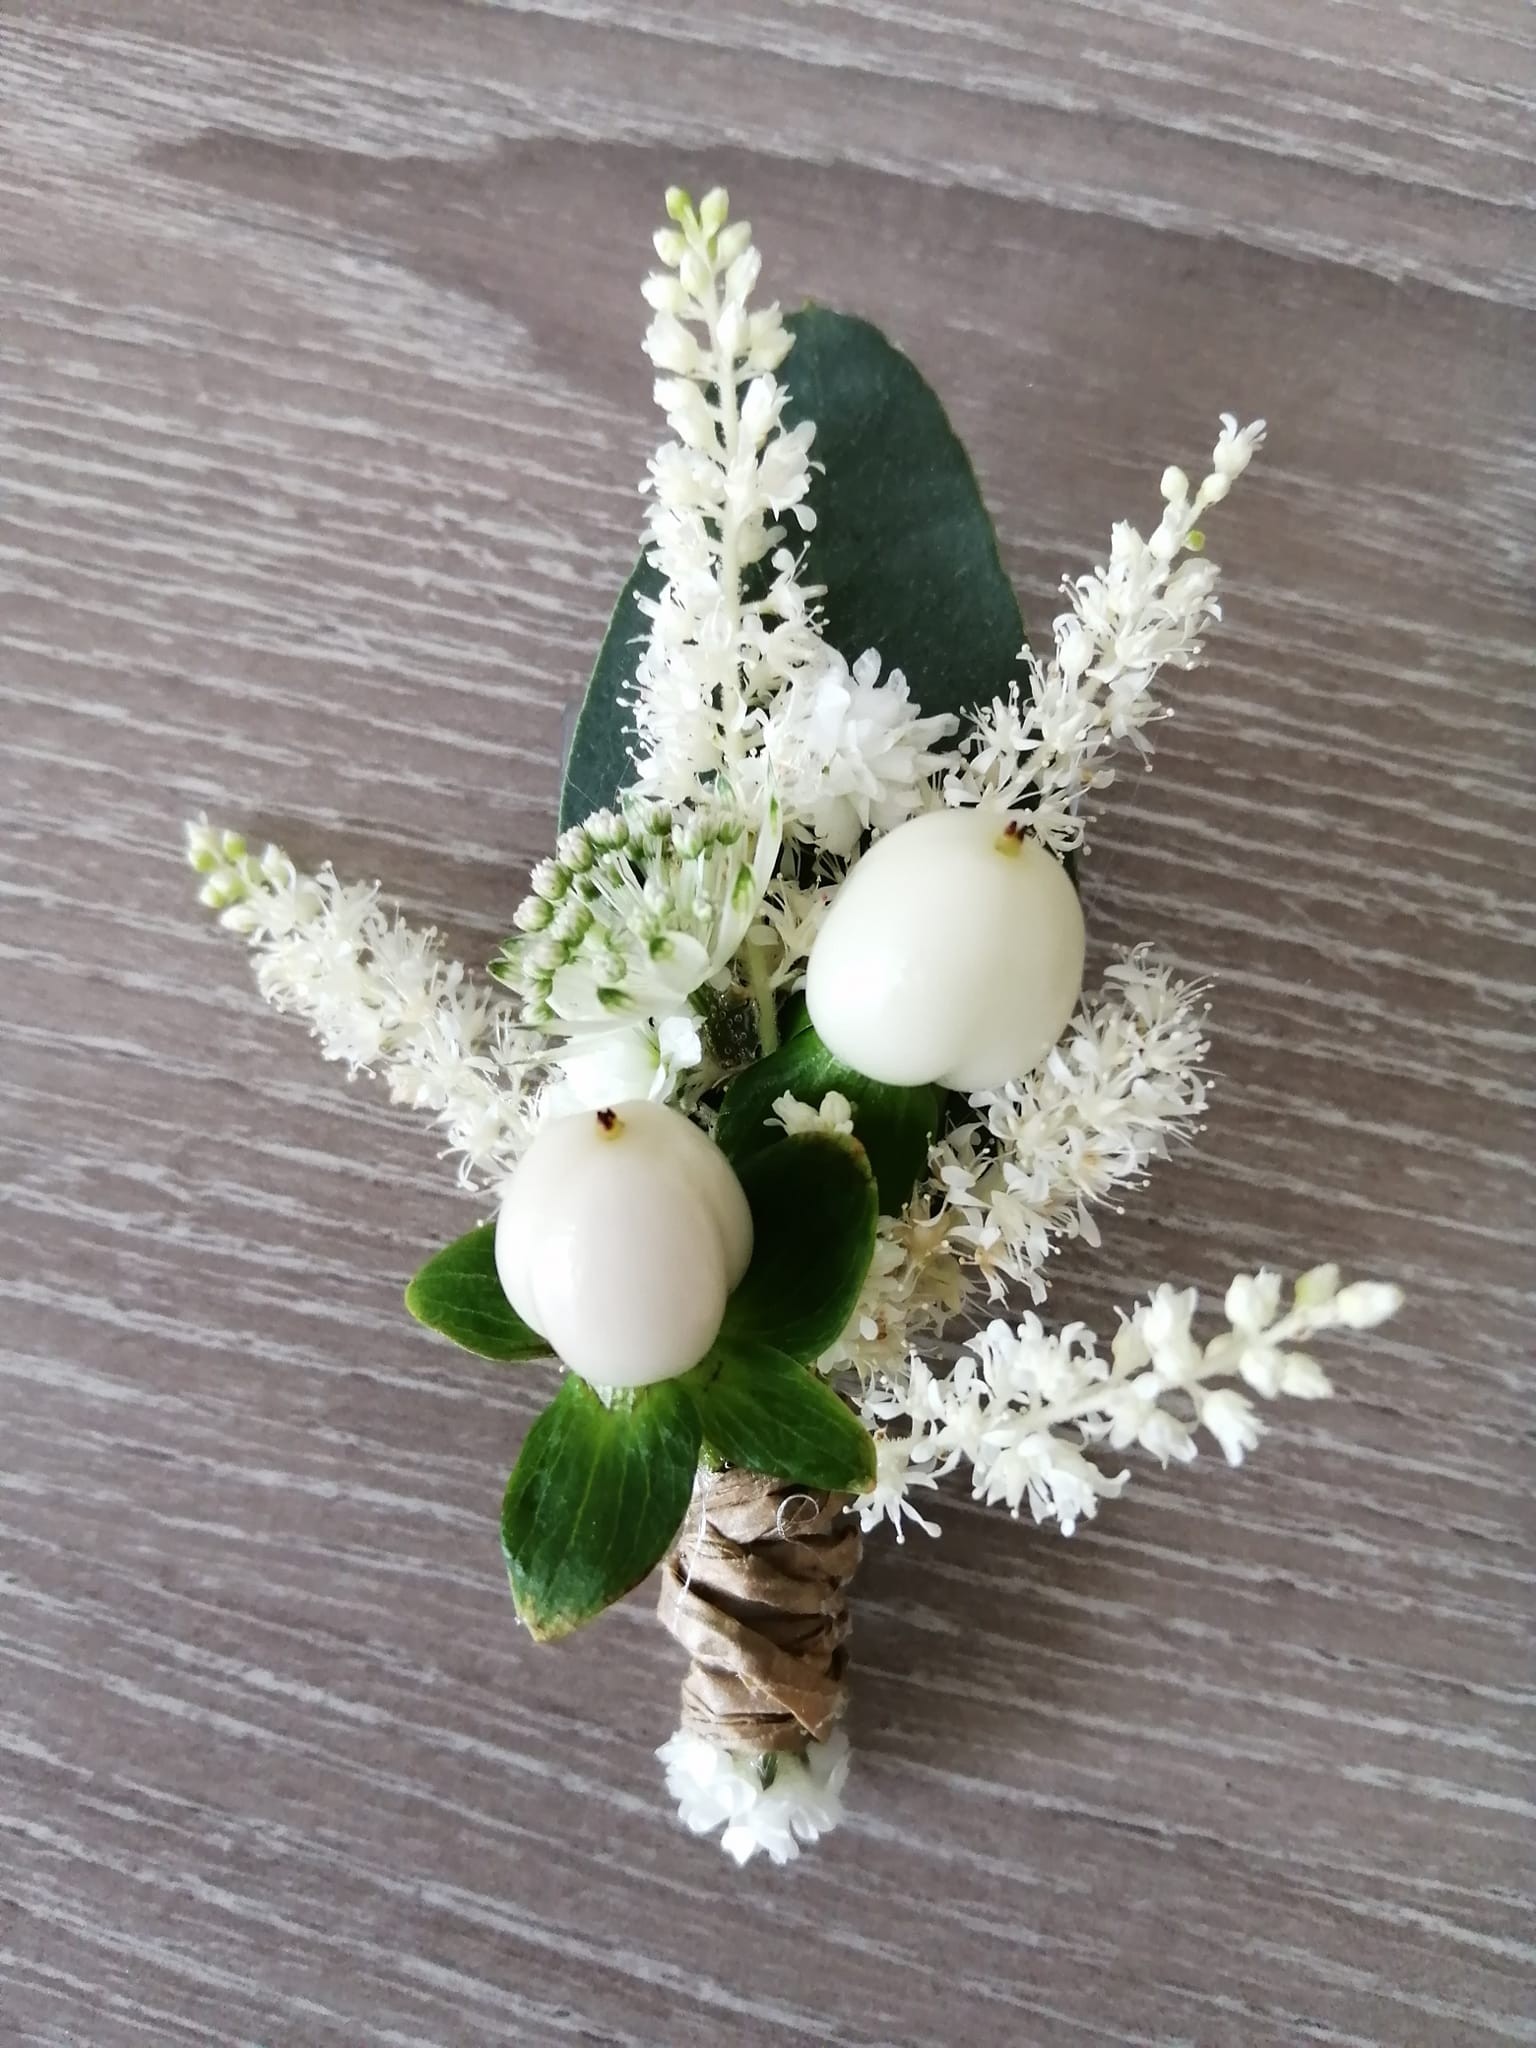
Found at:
[952, 953]
[621, 1234]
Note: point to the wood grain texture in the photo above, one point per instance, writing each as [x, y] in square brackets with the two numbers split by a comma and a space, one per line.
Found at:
[321, 410]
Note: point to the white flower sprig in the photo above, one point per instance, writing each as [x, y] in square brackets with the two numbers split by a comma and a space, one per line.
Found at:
[718, 492]
[1026, 1172]
[1031, 1409]
[1144, 611]
[1124, 1084]
[378, 994]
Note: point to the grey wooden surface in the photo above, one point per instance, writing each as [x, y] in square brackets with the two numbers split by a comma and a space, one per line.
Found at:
[321, 412]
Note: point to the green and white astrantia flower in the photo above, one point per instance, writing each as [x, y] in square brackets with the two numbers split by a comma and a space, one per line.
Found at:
[639, 911]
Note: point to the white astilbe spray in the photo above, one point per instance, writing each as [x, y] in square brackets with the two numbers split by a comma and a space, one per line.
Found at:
[1027, 1169]
[377, 994]
[770, 1805]
[718, 492]
[1034, 1410]
[1124, 1084]
[1145, 610]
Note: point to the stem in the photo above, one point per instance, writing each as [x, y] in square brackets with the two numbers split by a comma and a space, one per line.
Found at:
[732, 735]
[762, 997]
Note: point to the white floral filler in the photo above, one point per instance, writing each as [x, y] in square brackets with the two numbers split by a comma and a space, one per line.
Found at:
[762, 759]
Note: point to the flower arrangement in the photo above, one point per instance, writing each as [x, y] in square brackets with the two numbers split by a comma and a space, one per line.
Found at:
[785, 1074]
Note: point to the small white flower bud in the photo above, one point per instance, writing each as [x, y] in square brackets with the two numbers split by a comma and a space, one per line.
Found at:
[758, 405]
[695, 273]
[670, 346]
[1175, 485]
[713, 210]
[731, 330]
[549, 880]
[573, 850]
[741, 277]
[1315, 1289]
[734, 240]
[669, 246]
[1303, 1378]
[664, 295]
[1365, 1303]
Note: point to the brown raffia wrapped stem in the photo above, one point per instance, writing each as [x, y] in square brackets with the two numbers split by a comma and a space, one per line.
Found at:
[754, 1591]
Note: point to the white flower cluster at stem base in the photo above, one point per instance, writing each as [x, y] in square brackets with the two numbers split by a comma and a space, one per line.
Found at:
[770, 1806]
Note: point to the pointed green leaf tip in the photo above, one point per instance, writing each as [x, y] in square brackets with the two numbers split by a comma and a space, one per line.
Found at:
[459, 1294]
[903, 545]
[596, 1498]
[894, 1125]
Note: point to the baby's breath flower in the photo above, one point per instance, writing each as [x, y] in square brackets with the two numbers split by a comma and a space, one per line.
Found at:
[772, 1806]
[848, 753]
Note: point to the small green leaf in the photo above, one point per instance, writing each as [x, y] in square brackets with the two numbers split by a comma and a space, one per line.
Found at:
[902, 543]
[459, 1294]
[814, 1212]
[763, 1411]
[595, 1499]
[894, 1125]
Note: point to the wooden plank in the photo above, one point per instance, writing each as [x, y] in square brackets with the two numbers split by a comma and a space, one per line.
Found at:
[321, 411]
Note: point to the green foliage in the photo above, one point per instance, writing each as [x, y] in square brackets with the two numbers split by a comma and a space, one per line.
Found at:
[596, 1498]
[459, 1294]
[814, 1212]
[903, 544]
[894, 1125]
[762, 1411]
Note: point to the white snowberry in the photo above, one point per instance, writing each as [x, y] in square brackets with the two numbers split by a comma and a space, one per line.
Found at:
[620, 1237]
[953, 953]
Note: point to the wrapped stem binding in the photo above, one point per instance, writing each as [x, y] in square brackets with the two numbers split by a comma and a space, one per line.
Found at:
[755, 1594]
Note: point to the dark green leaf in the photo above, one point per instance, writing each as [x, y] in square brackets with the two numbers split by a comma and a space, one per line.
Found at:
[764, 1412]
[894, 1125]
[459, 1294]
[814, 1211]
[595, 1499]
[902, 542]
